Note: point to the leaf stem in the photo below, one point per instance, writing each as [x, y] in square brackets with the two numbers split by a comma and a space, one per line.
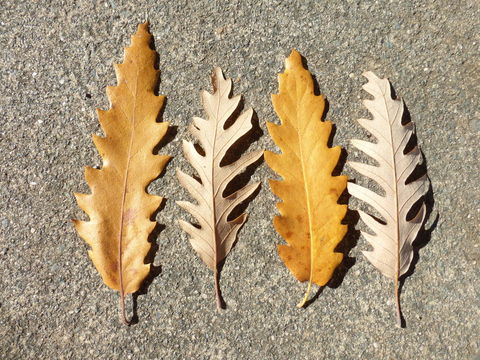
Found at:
[218, 295]
[307, 295]
[123, 313]
[397, 302]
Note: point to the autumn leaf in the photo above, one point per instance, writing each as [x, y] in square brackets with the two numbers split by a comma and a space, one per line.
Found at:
[392, 239]
[119, 207]
[310, 217]
[216, 234]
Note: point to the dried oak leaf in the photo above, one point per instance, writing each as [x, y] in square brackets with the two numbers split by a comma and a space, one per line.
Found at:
[392, 240]
[216, 234]
[310, 216]
[119, 207]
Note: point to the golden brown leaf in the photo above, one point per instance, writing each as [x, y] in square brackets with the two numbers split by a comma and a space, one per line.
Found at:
[119, 206]
[310, 217]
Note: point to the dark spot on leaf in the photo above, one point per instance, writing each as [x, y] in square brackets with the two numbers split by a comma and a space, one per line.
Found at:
[114, 268]
[333, 191]
[129, 216]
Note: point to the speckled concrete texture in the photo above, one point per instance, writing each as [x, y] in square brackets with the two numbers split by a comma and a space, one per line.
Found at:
[55, 62]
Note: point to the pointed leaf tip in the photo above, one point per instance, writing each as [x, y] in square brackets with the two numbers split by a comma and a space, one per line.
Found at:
[144, 27]
[293, 60]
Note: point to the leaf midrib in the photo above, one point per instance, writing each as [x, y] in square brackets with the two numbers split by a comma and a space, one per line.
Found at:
[395, 191]
[213, 167]
[307, 198]
[125, 181]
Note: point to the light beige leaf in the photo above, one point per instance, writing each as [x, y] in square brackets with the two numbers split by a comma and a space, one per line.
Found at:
[216, 235]
[392, 242]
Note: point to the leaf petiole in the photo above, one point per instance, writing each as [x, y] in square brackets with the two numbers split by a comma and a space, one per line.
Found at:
[123, 313]
[307, 295]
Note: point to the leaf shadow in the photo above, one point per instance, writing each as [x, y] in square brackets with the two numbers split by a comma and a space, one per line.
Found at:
[351, 218]
[169, 137]
[316, 88]
[155, 270]
[235, 152]
[348, 242]
[156, 64]
[222, 303]
[242, 179]
[314, 297]
[237, 211]
[425, 234]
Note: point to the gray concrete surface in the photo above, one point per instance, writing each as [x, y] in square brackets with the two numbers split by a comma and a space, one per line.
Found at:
[53, 304]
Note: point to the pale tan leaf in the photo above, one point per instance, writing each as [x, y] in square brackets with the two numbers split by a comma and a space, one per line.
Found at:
[216, 235]
[392, 242]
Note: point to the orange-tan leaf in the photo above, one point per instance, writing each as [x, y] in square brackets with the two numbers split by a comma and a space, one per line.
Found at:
[119, 207]
[310, 216]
